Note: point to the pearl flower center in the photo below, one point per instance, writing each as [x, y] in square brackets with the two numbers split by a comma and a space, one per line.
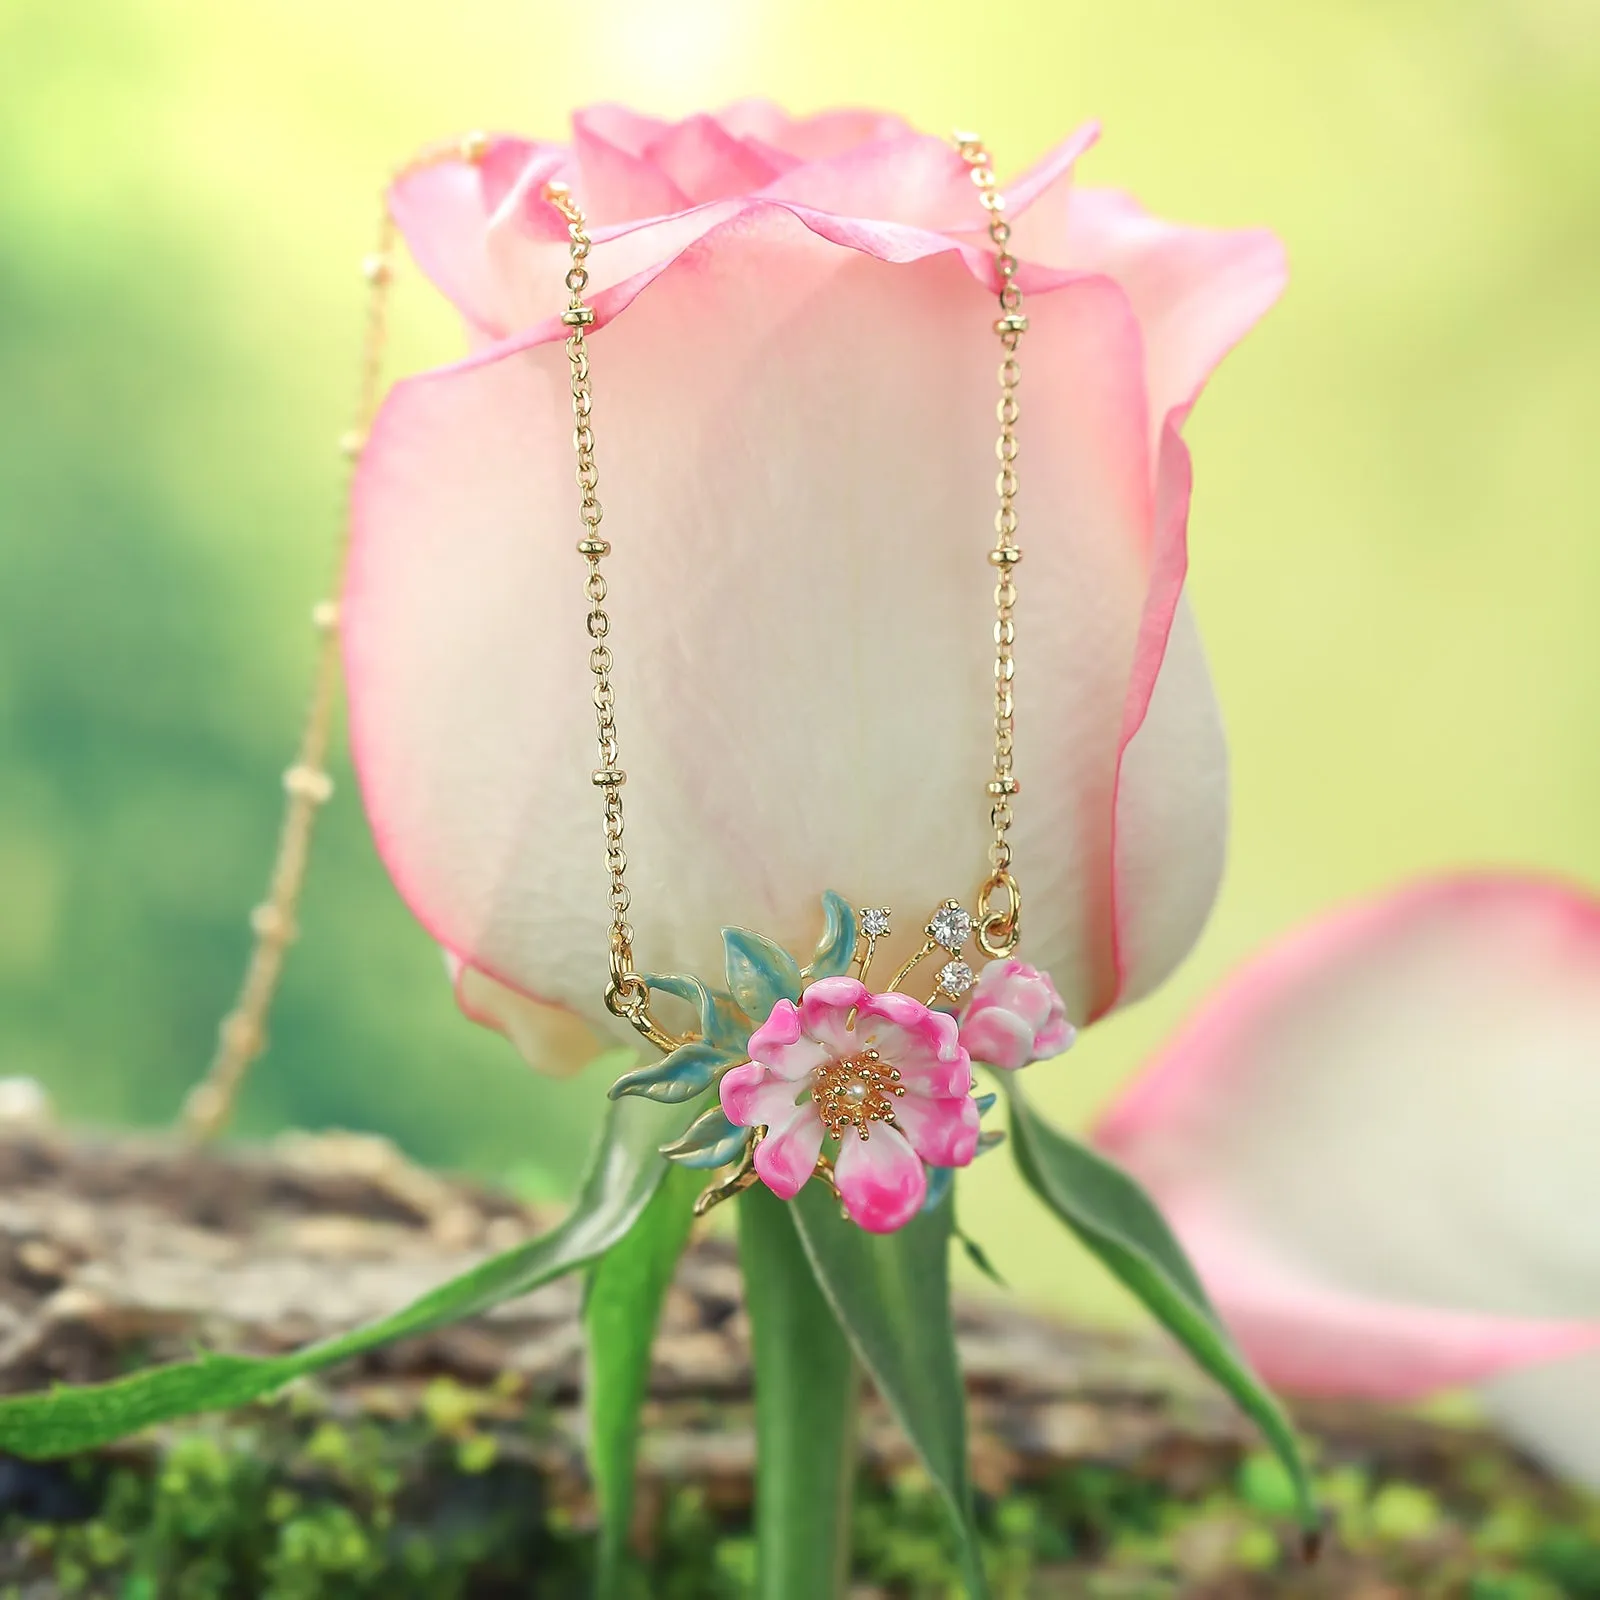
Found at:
[855, 1092]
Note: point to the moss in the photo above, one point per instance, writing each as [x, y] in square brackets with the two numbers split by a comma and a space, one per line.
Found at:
[290, 1503]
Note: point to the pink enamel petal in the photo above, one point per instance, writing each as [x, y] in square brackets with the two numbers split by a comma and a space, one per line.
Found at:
[881, 1181]
[551, 1039]
[998, 1038]
[785, 1157]
[751, 1096]
[782, 1047]
[825, 1014]
[1377, 1139]
[923, 1045]
[860, 483]
[942, 1129]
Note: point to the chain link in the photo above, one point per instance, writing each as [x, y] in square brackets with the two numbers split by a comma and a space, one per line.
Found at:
[1000, 928]
[627, 994]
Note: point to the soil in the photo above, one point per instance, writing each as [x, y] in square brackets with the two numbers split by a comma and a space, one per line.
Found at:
[1134, 1475]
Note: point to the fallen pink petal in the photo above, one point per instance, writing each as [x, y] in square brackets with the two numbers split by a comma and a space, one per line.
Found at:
[1376, 1142]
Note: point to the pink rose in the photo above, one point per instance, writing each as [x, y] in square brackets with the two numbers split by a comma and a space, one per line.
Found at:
[794, 375]
[1014, 1017]
[881, 1073]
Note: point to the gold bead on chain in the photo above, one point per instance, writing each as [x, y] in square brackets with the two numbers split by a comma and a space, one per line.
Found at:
[242, 1035]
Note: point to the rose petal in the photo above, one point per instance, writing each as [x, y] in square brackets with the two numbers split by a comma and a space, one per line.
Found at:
[707, 163]
[942, 1129]
[785, 1157]
[552, 1039]
[1377, 1139]
[1553, 1410]
[813, 138]
[1195, 291]
[881, 1181]
[467, 655]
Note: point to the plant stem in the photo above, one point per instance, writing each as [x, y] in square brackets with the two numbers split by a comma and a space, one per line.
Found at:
[807, 1397]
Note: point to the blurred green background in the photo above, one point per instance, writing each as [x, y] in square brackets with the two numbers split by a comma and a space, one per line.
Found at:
[1395, 549]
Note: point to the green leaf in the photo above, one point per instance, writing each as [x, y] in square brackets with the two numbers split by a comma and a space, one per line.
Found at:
[626, 1289]
[837, 947]
[891, 1294]
[1119, 1222]
[623, 1175]
[721, 1022]
[760, 974]
[710, 1141]
[807, 1393]
[688, 1071]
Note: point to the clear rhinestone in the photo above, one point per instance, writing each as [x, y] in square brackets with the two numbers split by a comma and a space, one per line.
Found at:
[951, 927]
[875, 921]
[955, 977]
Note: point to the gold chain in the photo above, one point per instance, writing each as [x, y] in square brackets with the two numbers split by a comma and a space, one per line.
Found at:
[242, 1036]
[627, 994]
[1000, 928]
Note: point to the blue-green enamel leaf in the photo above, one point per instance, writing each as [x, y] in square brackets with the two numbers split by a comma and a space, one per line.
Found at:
[623, 1176]
[688, 1071]
[940, 1182]
[837, 947]
[985, 1103]
[721, 1022]
[760, 973]
[710, 1141]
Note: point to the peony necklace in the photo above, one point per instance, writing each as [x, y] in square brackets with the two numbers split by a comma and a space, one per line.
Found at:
[806, 1055]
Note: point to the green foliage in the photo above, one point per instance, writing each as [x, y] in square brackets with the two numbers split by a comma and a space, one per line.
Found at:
[287, 1503]
[626, 1289]
[623, 1175]
[807, 1394]
[891, 1295]
[1118, 1221]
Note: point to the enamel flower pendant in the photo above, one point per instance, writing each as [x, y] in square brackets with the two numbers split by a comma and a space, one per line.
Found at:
[819, 1075]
